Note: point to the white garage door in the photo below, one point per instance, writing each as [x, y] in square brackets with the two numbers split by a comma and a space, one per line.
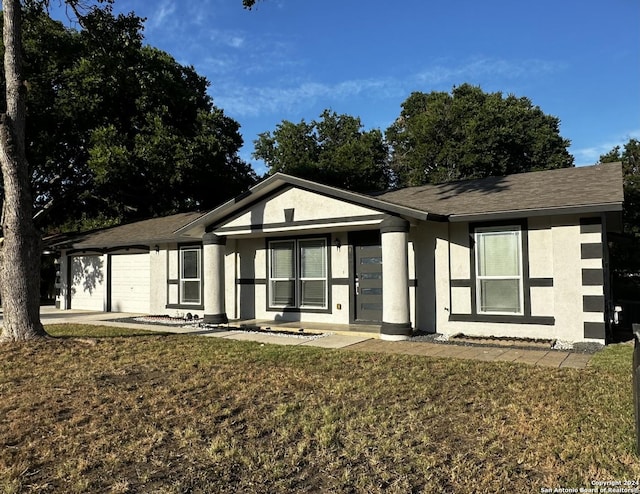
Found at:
[130, 282]
[87, 282]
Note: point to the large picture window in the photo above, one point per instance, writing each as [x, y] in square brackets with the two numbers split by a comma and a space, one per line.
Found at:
[190, 276]
[298, 273]
[499, 284]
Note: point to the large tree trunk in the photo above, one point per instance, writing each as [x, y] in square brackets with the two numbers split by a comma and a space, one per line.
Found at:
[20, 250]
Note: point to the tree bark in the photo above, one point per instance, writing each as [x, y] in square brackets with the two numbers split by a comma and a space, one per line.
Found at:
[20, 249]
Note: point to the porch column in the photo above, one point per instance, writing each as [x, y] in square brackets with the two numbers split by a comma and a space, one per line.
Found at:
[213, 278]
[396, 320]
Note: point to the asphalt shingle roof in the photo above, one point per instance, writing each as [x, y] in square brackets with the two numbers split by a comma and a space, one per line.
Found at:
[138, 233]
[566, 187]
[599, 186]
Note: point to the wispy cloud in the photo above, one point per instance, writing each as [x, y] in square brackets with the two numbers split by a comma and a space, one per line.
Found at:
[480, 69]
[254, 101]
[165, 11]
[233, 39]
[591, 155]
[244, 101]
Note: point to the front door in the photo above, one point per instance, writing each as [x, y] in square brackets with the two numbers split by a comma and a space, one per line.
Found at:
[367, 277]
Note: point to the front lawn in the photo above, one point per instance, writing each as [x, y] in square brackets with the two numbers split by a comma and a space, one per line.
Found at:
[137, 412]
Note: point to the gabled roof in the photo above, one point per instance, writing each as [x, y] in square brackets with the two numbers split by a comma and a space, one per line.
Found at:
[277, 181]
[581, 190]
[155, 230]
[585, 189]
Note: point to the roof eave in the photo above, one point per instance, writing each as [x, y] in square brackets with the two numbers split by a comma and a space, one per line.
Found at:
[525, 213]
[277, 180]
[124, 244]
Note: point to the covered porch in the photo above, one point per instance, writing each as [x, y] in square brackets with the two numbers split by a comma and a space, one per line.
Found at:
[298, 255]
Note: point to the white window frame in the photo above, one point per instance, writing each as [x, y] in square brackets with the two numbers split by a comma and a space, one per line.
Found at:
[478, 232]
[297, 278]
[182, 279]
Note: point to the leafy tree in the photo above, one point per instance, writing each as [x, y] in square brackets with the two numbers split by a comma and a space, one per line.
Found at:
[119, 130]
[333, 150]
[625, 258]
[20, 249]
[20, 246]
[629, 155]
[440, 137]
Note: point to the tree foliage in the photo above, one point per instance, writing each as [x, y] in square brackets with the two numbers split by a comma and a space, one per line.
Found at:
[20, 246]
[625, 249]
[629, 155]
[334, 150]
[118, 130]
[441, 137]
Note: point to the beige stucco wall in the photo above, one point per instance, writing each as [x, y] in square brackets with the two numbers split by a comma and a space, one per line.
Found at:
[424, 237]
[172, 273]
[308, 207]
[313, 214]
[554, 252]
[158, 287]
[251, 299]
[436, 253]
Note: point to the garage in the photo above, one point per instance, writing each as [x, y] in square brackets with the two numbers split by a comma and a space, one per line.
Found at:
[87, 282]
[130, 283]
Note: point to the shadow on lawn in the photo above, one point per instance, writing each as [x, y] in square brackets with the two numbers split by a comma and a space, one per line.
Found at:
[103, 335]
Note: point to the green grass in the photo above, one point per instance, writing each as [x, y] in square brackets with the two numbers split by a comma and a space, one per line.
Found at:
[128, 411]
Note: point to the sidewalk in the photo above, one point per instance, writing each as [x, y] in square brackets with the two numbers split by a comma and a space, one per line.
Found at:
[362, 343]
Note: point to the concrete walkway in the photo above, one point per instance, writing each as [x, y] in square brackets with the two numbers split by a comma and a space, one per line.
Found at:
[363, 343]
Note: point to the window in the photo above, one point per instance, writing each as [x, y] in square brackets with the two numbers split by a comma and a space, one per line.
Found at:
[499, 270]
[190, 277]
[298, 273]
[283, 271]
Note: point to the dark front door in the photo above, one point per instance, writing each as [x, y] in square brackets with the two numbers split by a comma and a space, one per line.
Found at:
[368, 277]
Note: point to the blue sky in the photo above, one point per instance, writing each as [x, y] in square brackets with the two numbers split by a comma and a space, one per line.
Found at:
[578, 60]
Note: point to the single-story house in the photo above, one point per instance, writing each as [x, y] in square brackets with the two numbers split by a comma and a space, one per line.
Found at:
[522, 256]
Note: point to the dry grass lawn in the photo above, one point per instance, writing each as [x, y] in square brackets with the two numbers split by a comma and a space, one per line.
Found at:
[128, 411]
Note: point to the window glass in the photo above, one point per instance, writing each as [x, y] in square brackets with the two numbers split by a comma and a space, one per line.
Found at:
[190, 263]
[499, 270]
[313, 293]
[190, 282]
[499, 296]
[499, 254]
[312, 262]
[282, 292]
[282, 265]
[191, 292]
[298, 273]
